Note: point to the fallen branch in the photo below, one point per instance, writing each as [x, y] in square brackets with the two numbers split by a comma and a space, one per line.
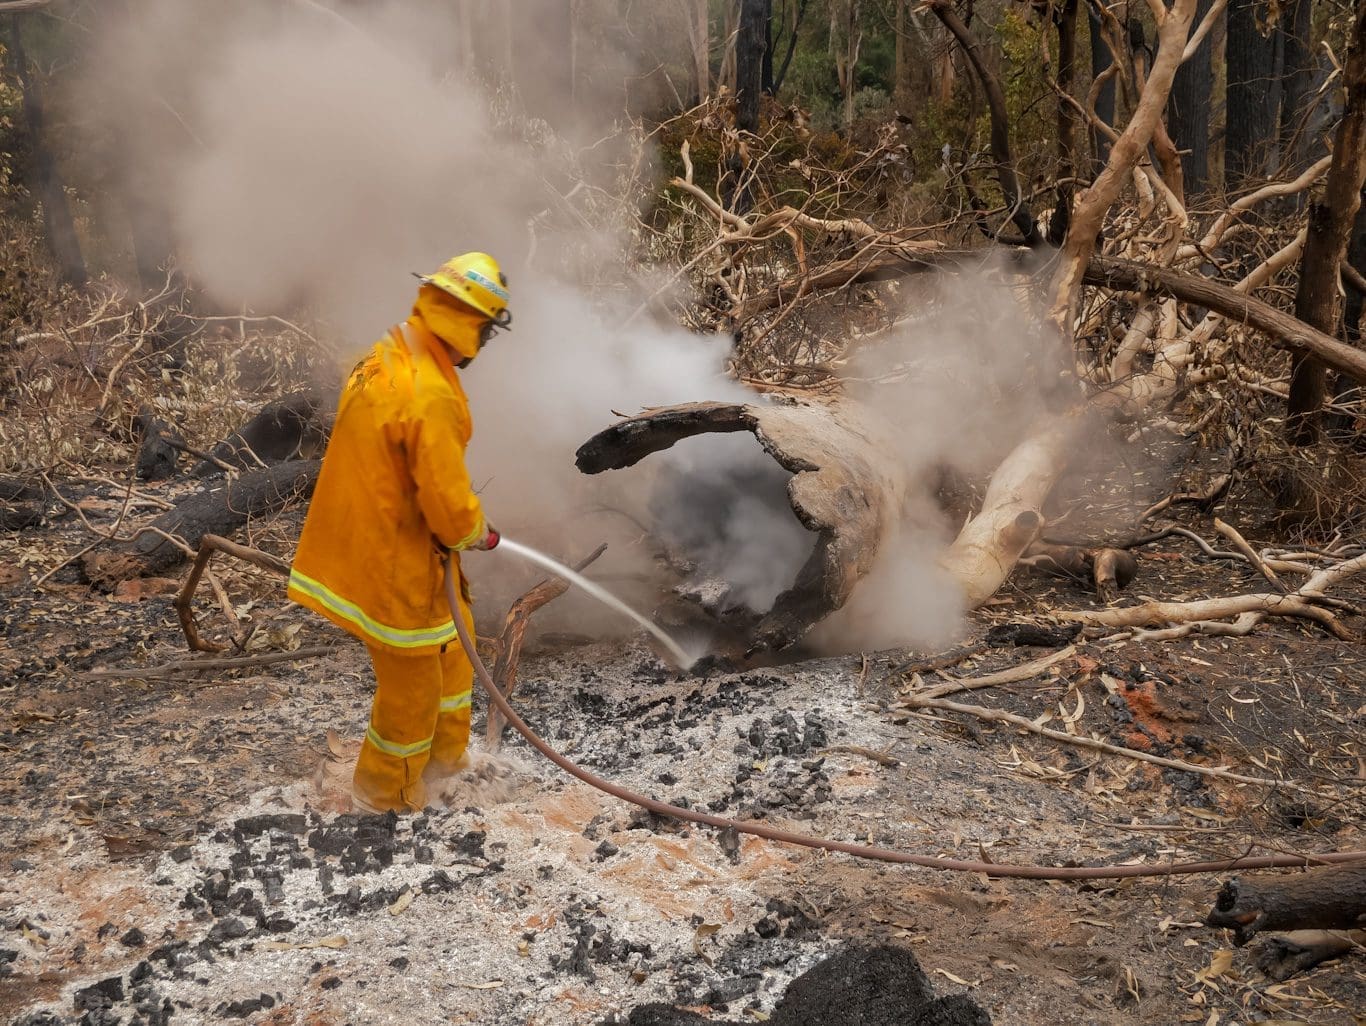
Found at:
[1158, 612]
[510, 641]
[1250, 554]
[1283, 956]
[219, 511]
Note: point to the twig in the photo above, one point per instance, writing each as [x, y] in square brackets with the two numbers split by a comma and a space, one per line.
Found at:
[1025, 671]
[881, 758]
[192, 665]
[1001, 716]
[510, 642]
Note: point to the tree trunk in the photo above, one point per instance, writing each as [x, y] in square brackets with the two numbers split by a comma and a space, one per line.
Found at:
[797, 17]
[766, 85]
[846, 36]
[1251, 121]
[1297, 85]
[1188, 110]
[751, 50]
[1067, 118]
[903, 88]
[58, 224]
[699, 43]
[1330, 226]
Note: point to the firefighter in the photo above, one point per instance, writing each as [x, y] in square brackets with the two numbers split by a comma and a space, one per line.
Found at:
[393, 500]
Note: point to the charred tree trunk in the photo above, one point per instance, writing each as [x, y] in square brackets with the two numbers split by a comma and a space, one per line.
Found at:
[1066, 19]
[797, 17]
[1324, 898]
[58, 224]
[1251, 123]
[751, 51]
[1330, 225]
[1188, 110]
[1297, 85]
[220, 511]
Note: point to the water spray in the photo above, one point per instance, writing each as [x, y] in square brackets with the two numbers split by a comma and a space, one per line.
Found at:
[681, 658]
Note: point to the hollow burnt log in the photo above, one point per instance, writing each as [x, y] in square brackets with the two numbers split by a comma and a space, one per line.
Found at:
[1323, 898]
[160, 447]
[844, 489]
[1110, 570]
[217, 511]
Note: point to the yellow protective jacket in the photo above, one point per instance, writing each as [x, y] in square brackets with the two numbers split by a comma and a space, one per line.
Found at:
[393, 491]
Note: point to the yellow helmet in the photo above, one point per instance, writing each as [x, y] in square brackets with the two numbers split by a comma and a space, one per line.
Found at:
[476, 280]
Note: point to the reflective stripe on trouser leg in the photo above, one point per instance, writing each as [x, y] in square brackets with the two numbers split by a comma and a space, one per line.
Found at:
[453, 720]
[403, 717]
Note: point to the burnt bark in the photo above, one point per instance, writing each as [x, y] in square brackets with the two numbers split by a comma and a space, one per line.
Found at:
[218, 511]
[1188, 110]
[1282, 957]
[1331, 218]
[1251, 115]
[1323, 898]
[1066, 21]
[21, 504]
[58, 225]
[286, 429]
[159, 449]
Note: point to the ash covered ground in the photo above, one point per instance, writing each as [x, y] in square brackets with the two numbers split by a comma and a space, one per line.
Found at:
[175, 848]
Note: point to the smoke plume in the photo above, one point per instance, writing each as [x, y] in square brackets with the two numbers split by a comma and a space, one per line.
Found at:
[308, 160]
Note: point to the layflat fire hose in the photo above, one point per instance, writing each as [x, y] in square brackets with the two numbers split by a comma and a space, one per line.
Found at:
[862, 851]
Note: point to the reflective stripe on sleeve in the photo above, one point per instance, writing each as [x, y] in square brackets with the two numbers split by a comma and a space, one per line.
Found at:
[472, 537]
[397, 637]
[396, 750]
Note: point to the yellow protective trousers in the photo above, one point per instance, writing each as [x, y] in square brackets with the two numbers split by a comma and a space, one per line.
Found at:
[419, 723]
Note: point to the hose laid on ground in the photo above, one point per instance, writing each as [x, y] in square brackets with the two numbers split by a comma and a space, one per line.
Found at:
[862, 851]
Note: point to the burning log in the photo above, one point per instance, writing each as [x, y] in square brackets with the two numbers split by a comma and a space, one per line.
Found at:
[845, 489]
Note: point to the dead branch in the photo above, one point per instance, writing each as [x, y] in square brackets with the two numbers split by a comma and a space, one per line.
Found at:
[1250, 554]
[178, 666]
[1151, 613]
[1203, 499]
[510, 641]
[1023, 672]
[208, 545]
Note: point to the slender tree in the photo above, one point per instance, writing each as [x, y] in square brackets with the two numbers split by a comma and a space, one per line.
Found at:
[1188, 110]
[1250, 134]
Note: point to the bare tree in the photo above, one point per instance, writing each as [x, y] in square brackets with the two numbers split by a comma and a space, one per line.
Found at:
[699, 46]
[1250, 133]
